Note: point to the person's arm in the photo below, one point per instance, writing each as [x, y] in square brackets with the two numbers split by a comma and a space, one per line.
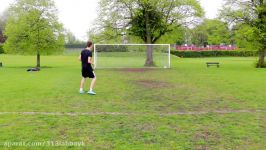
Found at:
[90, 60]
[79, 58]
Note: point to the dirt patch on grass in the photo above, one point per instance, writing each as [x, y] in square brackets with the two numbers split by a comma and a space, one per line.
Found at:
[153, 84]
[136, 69]
[203, 139]
[144, 127]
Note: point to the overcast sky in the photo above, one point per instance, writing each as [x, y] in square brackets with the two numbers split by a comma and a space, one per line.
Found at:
[78, 15]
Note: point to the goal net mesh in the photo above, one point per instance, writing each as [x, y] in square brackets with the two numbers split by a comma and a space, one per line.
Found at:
[130, 55]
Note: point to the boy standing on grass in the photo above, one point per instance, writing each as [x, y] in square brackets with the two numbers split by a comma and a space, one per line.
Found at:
[87, 70]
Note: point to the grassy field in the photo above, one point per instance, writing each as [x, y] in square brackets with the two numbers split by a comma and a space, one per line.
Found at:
[186, 107]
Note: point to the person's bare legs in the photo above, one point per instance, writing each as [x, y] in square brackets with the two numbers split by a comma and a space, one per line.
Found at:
[82, 83]
[93, 82]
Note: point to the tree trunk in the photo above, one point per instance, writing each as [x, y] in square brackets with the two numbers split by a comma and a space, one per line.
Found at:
[149, 58]
[38, 60]
[261, 17]
[261, 62]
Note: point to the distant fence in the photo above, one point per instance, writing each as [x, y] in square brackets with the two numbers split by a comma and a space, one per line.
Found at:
[210, 47]
[214, 53]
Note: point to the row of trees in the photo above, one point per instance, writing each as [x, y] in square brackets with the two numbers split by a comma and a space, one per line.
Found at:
[241, 22]
[216, 32]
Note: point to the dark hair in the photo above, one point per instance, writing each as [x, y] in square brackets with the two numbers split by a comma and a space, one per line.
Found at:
[89, 43]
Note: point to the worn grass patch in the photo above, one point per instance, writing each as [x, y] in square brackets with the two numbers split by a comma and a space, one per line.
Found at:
[153, 84]
[134, 70]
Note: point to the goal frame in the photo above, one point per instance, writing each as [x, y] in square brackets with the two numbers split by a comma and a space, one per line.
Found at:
[169, 51]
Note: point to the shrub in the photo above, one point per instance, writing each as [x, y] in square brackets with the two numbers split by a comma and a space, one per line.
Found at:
[1, 49]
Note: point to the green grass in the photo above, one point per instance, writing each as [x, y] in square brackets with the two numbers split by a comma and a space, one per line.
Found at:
[129, 59]
[143, 100]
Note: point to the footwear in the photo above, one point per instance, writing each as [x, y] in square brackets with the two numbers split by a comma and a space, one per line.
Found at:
[91, 93]
[81, 92]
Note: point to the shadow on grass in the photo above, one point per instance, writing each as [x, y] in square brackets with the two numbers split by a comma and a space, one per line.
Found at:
[27, 67]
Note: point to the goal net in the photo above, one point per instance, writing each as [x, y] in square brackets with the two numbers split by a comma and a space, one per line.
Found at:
[131, 55]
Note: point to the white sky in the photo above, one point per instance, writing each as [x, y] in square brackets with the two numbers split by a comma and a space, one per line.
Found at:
[211, 7]
[78, 15]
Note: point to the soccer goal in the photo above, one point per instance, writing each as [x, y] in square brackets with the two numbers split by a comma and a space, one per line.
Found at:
[131, 55]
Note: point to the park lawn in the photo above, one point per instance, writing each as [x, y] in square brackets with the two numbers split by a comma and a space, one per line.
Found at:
[140, 104]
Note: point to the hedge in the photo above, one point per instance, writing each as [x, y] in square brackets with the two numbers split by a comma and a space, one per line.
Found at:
[236, 53]
[1, 49]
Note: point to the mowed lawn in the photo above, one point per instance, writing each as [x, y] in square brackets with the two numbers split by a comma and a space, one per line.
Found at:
[188, 106]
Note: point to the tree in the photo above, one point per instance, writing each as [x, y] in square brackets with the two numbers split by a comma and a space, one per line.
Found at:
[71, 41]
[148, 20]
[70, 37]
[244, 37]
[2, 37]
[212, 31]
[33, 28]
[3, 20]
[253, 14]
[176, 36]
[199, 35]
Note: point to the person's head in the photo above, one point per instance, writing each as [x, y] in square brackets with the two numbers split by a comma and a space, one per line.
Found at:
[89, 44]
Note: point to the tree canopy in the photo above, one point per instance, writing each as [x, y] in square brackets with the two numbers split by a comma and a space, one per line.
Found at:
[244, 37]
[149, 20]
[146, 20]
[211, 31]
[250, 14]
[33, 28]
[3, 20]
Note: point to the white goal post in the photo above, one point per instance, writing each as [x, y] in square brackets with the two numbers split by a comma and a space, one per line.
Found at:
[130, 55]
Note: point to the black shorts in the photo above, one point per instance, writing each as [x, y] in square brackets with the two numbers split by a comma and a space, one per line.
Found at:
[87, 72]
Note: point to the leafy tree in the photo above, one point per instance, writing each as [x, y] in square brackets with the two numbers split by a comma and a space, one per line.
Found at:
[33, 28]
[199, 35]
[2, 37]
[253, 14]
[3, 20]
[212, 31]
[176, 36]
[149, 20]
[105, 35]
[71, 41]
[70, 37]
[244, 37]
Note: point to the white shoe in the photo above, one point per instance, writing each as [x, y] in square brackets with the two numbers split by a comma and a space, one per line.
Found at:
[81, 92]
[91, 93]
